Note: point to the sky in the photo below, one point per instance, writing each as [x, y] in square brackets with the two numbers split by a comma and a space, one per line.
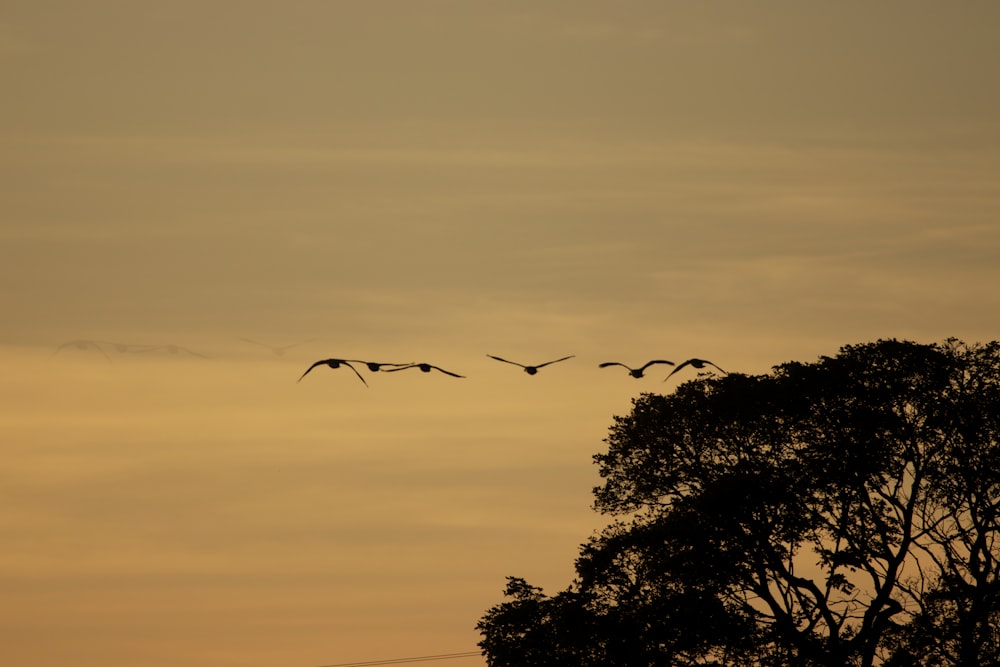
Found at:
[185, 186]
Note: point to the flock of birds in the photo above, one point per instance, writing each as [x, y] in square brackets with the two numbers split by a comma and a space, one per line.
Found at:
[373, 366]
[530, 370]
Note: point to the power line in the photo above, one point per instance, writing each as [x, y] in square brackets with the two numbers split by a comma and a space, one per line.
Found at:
[400, 661]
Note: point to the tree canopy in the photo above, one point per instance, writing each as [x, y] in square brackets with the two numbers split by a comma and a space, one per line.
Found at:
[838, 513]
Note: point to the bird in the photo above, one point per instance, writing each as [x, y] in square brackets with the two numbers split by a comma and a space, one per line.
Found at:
[277, 350]
[694, 363]
[333, 363]
[426, 368]
[530, 370]
[82, 345]
[636, 372]
[376, 366]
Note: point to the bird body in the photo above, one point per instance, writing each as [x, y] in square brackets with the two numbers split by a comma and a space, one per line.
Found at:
[636, 372]
[530, 370]
[333, 363]
[426, 368]
[694, 363]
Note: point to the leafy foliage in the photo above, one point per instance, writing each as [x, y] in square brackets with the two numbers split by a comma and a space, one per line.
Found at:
[844, 512]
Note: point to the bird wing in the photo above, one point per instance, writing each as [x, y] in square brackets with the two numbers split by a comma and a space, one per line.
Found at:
[318, 363]
[454, 375]
[355, 372]
[401, 367]
[679, 366]
[380, 364]
[716, 367]
[506, 362]
[555, 361]
[612, 363]
[83, 345]
[656, 361]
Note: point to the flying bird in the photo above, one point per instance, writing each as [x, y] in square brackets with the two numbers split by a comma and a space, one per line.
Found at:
[530, 370]
[333, 363]
[426, 368]
[694, 363]
[277, 350]
[82, 345]
[636, 372]
[376, 366]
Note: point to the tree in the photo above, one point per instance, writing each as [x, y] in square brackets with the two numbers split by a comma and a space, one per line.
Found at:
[840, 513]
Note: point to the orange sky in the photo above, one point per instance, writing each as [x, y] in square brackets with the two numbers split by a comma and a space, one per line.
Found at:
[411, 180]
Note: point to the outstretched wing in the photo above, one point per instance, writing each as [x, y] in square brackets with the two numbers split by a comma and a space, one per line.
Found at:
[656, 361]
[355, 372]
[507, 362]
[318, 363]
[401, 367]
[454, 375]
[612, 363]
[333, 363]
[375, 366]
[697, 363]
[716, 368]
[679, 366]
[82, 345]
[554, 361]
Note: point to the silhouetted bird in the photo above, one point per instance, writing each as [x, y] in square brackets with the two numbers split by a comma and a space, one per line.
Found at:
[530, 370]
[426, 368]
[333, 363]
[82, 345]
[636, 372]
[277, 350]
[695, 363]
[376, 366]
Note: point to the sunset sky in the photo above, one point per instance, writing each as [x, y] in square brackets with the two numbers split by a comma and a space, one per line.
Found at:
[428, 181]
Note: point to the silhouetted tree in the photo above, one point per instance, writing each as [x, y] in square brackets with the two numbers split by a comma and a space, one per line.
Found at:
[844, 512]
[958, 624]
